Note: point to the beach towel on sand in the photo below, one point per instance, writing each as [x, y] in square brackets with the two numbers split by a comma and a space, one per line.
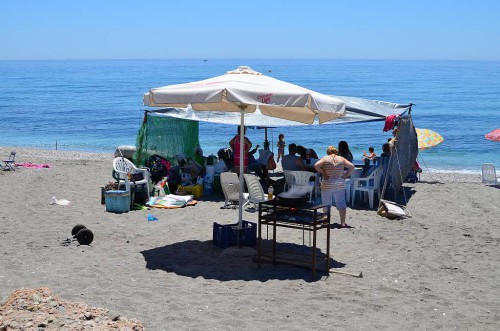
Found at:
[32, 165]
[171, 201]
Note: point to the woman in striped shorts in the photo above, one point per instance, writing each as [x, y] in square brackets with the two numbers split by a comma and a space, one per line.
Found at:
[332, 169]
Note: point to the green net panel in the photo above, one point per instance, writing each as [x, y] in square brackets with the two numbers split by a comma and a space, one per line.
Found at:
[404, 154]
[165, 136]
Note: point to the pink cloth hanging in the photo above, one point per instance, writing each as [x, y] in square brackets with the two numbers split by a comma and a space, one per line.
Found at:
[389, 122]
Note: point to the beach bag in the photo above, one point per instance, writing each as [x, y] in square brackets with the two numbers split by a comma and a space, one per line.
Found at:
[137, 177]
[159, 167]
[271, 165]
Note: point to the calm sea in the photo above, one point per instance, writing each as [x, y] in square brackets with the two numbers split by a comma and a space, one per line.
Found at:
[97, 105]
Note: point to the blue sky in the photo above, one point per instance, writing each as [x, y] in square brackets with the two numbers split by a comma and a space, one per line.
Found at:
[329, 29]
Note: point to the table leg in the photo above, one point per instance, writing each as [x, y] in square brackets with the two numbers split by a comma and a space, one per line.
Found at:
[259, 244]
[274, 242]
[328, 248]
[314, 253]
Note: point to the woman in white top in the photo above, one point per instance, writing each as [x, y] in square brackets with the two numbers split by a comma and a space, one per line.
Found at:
[332, 169]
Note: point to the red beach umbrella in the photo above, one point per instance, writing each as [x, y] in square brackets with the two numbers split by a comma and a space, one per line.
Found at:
[493, 135]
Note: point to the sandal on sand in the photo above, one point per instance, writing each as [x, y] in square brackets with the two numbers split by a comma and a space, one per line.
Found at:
[343, 226]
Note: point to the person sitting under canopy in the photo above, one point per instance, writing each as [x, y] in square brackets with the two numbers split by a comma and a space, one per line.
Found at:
[291, 161]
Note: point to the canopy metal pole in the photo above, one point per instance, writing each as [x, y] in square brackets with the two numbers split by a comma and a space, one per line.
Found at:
[239, 250]
[242, 147]
[266, 142]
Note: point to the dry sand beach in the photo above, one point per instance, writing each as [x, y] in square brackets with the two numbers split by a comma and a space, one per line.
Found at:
[436, 270]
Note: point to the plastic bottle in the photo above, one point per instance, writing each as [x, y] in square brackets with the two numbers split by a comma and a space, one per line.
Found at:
[270, 192]
[159, 188]
[207, 185]
[166, 189]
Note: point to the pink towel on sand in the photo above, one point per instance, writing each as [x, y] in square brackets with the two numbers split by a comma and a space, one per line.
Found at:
[32, 165]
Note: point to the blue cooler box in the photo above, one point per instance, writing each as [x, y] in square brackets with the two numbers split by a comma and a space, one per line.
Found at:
[117, 201]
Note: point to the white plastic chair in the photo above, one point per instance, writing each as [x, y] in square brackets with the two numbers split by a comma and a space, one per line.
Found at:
[369, 185]
[349, 183]
[288, 179]
[230, 184]
[301, 180]
[256, 193]
[124, 167]
[489, 174]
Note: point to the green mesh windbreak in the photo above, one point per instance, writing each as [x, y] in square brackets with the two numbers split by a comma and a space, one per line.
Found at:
[165, 136]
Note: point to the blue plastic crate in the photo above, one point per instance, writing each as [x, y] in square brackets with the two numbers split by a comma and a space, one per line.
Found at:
[227, 235]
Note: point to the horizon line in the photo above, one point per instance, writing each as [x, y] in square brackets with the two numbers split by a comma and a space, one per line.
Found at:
[251, 59]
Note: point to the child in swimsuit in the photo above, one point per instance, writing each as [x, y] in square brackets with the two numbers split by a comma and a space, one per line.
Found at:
[281, 146]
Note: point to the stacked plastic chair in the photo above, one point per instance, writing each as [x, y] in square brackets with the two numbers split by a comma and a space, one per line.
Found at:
[489, 174]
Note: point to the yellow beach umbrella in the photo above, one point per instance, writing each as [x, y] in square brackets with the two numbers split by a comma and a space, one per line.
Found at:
[428, 138]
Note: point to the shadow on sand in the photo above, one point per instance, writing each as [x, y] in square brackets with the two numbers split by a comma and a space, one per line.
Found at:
[194, 258]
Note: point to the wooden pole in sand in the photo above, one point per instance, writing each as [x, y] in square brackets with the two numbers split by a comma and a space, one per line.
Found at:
[359, 275]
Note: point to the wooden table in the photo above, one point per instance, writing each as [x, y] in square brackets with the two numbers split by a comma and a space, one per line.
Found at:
[306, 218]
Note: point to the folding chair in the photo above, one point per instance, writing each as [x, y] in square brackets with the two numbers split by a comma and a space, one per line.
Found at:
[9, 164]
[230, 184]
[255, 191]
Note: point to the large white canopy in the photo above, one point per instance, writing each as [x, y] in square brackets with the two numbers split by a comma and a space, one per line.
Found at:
[268, 102]
[247, 89]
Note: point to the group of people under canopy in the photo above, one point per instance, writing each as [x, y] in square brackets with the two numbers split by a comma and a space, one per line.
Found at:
[334, 168]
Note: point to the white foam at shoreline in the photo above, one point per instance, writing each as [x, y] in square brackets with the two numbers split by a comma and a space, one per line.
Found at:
[38, 155]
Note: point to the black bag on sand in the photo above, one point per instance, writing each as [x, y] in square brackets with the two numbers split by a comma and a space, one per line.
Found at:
[158, 167]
